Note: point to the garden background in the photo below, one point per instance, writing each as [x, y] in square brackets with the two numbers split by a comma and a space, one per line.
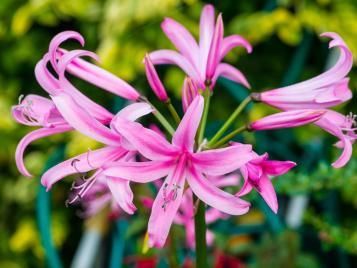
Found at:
[287, 49]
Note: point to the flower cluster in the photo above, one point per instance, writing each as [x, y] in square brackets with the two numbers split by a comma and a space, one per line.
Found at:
[190, 163]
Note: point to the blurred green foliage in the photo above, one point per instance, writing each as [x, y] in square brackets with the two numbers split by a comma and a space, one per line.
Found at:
[121, 32]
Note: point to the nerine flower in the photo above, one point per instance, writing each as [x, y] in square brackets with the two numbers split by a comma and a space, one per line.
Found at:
[179, 163]
[95, 160]
[287, 119]
[35, 110]
[201, 61]
[322, 92]
[256, 175]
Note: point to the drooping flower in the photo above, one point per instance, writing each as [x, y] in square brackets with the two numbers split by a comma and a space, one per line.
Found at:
[179, 163]
[202, 61]
[288, 119]
[256, 175]
[41, 112]
[35, 110]
[95, 160]
[321, 92]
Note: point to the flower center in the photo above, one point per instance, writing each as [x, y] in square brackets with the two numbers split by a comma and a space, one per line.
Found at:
[26, 110]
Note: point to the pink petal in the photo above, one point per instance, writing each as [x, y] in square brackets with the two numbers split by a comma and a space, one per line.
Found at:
[346, 154]
[165, 56]
[288, 119]
[29, 138]
[276, 168]
[94, 206]
[46, 80]
[189, 92]
[206, 33]
[141, 172]
[122, 194]
[214, 196]
[231, 73]
[58, 40]
[181, 39]
[246, 189]
[322, 81]
[154, 80]
[79, 119]
[222, 161]
[214, 52]
[313, 98]
[150, 144]
[54, 87]
[163, 214]
[213, 215]
[83, 163]
[100, 77]
[184, 136]
[341, 127]
[233, 41]
[132, 112]
[266, 190]
[225, 181]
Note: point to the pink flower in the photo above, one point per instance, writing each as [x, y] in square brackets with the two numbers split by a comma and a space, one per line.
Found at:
[154, 80]
[95, 160]
[321, 92]
[344, 128]
[256, 175]
[201, 61]
[38, 111]
[287, 119]
[178, 162]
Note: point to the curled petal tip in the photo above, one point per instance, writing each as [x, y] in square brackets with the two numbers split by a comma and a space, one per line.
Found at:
[58, 40]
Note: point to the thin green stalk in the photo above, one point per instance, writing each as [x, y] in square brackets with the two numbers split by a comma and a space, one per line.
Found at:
[163, 122]
[228, 137]
[173, 112]
[160, 117]
[200, 234]
[229, 121]
[201, 132]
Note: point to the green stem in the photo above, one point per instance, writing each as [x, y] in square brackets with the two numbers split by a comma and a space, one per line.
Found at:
[200, 234]
[163, 121]
[228, 137]
[160, 117]
[230, 121]
[201, 132]
[173, 112]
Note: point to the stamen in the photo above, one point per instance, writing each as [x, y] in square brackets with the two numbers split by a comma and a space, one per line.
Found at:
[21, 97]
[89, 150]
[351, 119]
[171, 196]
